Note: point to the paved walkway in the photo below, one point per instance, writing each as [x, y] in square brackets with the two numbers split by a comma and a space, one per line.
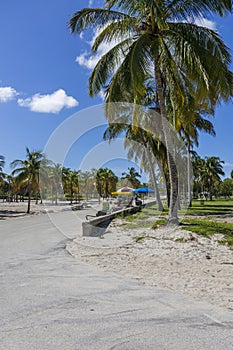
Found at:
[49, 300]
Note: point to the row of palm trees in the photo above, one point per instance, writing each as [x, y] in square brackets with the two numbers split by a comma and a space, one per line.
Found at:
[161, 59]
[37, 177]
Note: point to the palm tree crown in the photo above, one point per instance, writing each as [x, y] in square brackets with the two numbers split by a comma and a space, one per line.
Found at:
[159, 40]
[27, 171]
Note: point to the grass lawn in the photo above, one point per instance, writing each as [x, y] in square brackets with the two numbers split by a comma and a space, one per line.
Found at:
[202, 226]
[215, 207]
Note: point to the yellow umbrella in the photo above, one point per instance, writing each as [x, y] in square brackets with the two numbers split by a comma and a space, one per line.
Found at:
[123, 193]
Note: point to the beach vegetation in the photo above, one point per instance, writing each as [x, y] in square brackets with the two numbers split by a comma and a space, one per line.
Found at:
[160, 41]
[207, 228]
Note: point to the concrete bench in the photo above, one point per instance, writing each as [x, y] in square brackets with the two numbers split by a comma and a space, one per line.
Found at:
[96, 226]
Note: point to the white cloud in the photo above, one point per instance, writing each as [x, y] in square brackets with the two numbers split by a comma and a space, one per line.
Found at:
[228, 165]
[204, 22]
[52, 103]
[7, 93]
[90, 3]
[89, 61]
[101, 94]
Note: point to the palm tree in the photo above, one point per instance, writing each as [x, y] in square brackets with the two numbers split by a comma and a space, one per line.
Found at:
[2, 174]
[210, 173]
[87, 182]
[158, 40]
[149, 157]
[2, 163]
[71, 183]
[132, 176]
[189, 128]
[140, 145]
[27, 172]
[55, 180]
[106, 182]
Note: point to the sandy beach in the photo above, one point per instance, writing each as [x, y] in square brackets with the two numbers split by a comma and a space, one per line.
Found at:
[175, 259]
[169, 258]
[9, 210]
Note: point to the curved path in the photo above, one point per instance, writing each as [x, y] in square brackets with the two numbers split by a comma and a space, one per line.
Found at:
[49, 300]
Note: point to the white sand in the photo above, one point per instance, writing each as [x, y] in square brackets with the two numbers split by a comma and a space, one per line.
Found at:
[15, 209]
[199, 267]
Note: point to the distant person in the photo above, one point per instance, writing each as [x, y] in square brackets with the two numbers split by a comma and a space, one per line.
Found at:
[138, 201]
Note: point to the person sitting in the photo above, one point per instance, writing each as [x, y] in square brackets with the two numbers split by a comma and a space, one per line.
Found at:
[138, 201]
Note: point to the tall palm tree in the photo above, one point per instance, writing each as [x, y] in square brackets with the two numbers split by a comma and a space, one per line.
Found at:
[189, 129]
[55, 180]
[2, 174]
[210, 173]
[71, 183]
[158, 39]
[2, 163]
[140, 146]
[27, 172]
[87, 182]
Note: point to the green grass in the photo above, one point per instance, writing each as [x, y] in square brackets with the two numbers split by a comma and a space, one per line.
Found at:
[137, 224]
[208, 228]
[158, 223]
[201, 226]
[146, 213]
[215, 207]
[139, 219]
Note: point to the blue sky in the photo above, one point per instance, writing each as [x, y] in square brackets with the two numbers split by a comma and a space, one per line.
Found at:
[43, 80]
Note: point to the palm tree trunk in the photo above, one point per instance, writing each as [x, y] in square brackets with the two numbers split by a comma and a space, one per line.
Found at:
[154, 181]
[173, 207]
[189, 179]
[29, 202]
[71, 193]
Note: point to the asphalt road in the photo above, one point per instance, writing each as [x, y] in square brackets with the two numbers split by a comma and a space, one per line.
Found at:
[49, 300]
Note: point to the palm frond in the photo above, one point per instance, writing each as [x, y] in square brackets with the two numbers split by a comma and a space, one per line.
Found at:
[186, 10]
[85, 18]
[106, 66]
[199, 49]
[115, 31]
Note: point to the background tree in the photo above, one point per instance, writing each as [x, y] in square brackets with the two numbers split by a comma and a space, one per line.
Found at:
[226, 188]
[106, 182]
[71, 183]
[210, 174]
[55, 181]
[87, 180]
[27, 172]
[132, 176]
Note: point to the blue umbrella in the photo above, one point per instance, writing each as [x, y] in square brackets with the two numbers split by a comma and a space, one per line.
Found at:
[143, 190]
